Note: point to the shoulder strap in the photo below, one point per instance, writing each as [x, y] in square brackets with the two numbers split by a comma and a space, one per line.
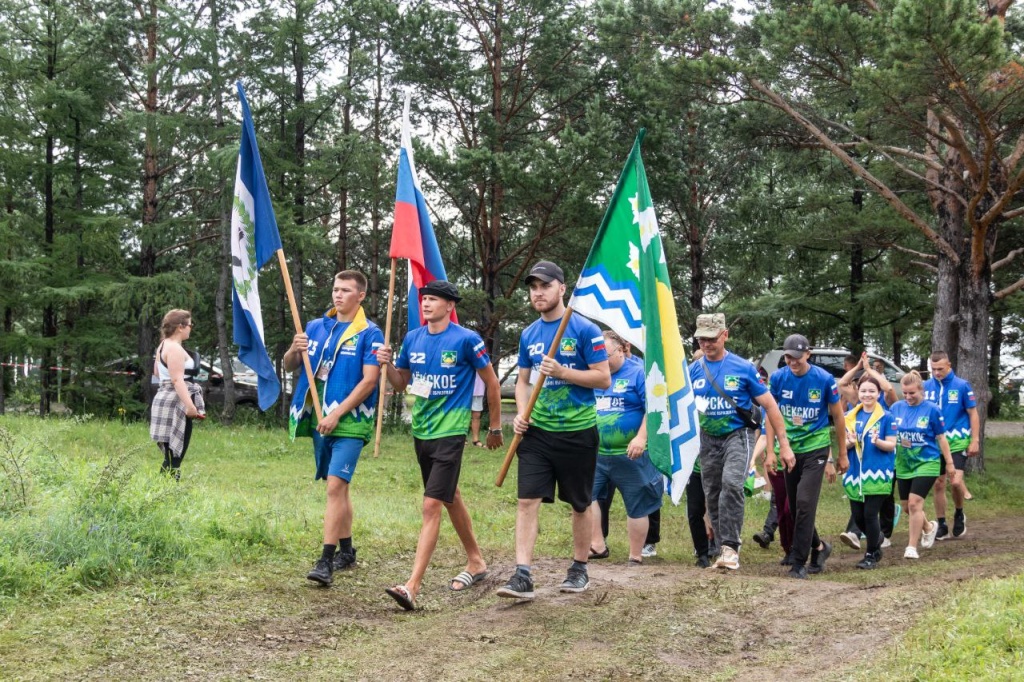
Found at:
[714, 385]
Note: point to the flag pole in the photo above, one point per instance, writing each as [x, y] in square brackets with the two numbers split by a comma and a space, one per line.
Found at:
[298, 330]
[383, 370]
[517, 438]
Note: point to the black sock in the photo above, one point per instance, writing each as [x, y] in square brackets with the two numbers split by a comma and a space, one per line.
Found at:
[579, 564]
[959, 512]
[523, 568]
[328, 552]
[941, 520]
[345, 545]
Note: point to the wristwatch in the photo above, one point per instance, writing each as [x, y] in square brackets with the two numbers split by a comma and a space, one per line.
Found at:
[494, 432]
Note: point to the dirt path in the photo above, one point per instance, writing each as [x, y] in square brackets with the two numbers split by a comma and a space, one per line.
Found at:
[660, 620]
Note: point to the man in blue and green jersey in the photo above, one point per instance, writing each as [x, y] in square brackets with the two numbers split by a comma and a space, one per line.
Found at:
[438, 364]
[807, 396]
[559, 445]
[342, 347]
[727, 389]
[955, 399]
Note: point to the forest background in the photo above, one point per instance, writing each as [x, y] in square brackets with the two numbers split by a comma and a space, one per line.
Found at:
[849, 170]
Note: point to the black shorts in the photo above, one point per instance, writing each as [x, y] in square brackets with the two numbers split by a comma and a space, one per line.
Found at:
[959, 461]
[567, 458]
[919, 486]
[440, 463]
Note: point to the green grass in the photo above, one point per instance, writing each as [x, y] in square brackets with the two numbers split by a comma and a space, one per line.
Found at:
[108, 569]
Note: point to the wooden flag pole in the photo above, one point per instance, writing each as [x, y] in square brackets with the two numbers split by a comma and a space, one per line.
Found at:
[383, 370]
[516, 439]
[298, 330]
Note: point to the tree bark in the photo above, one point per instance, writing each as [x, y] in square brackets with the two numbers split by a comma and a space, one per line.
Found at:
[150, 188]
[971, 361]
[994, 360]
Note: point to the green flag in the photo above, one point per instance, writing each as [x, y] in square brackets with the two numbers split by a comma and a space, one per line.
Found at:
[625, 284]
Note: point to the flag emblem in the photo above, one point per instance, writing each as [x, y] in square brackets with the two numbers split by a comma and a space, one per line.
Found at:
[449, 358]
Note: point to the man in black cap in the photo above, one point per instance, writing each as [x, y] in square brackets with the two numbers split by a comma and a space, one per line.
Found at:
[559, 446]
[439, 363]
[807, 396]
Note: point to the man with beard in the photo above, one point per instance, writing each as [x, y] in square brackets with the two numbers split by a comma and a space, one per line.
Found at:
[559, 446]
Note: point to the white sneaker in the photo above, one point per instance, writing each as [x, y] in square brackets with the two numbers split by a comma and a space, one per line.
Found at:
[648, 551]
[928, 539]
[910, 553]
[886, 543]
[729, 558]
[850, 540]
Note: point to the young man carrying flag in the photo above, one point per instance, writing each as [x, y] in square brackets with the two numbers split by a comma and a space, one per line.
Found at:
[559, 445]
[342, 347]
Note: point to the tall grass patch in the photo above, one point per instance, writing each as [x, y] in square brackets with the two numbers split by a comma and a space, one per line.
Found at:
[70, 523]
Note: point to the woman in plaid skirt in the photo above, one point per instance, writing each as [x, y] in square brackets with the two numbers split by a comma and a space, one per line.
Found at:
[177, 401]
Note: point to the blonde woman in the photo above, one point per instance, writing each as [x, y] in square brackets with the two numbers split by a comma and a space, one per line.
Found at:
[921, 448]
[177, 401]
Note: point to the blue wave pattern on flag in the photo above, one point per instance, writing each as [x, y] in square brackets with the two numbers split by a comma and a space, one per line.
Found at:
[254, 241]
[625, 284]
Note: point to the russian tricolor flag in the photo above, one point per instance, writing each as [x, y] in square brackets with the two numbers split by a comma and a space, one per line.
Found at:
[413, 235]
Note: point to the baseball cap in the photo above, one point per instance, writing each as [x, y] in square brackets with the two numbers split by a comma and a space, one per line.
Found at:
[796, 345]
[709, 326]
[441, 288]
[546, 271]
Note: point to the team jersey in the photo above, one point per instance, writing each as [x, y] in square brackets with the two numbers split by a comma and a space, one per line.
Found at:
[337, 352]
[871, 471]
[804, 402]
[620, 409]
[449, 361]
[954, 396]
[917, 427]
[738, 379]
[562, 406]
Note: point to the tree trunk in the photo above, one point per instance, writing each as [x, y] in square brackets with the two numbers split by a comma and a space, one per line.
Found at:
[994, 356]
[856, 284]
[971, 364]
[150, 180]
[224, 281]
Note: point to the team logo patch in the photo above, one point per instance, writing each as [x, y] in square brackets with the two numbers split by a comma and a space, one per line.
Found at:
[922, 422]
[567, 347]
[449, 358]
[621, 385]
[732, 383]
[954, 396]
[814, 395]
[350, 342]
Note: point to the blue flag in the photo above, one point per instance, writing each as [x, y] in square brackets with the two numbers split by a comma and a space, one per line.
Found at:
[254, 241]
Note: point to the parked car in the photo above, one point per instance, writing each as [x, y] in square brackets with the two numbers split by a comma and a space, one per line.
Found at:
[831, 360]
[124, 374]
